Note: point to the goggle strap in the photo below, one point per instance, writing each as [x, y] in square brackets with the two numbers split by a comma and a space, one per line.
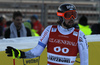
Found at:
[60, 14]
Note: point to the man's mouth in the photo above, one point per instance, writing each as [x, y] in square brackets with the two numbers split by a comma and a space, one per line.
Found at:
[71, 22]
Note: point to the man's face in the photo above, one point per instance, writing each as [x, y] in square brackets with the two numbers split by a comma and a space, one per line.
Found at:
[18, 21]
[4, 21]
[33, 20]
[69, 22]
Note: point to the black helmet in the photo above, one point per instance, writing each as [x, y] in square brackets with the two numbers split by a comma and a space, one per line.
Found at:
[63, 8]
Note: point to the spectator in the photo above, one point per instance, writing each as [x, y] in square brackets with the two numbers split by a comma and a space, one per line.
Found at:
[8, 24]
[76, 26]
[28, 25]
[83, 25]
[36, 24]
[2, 26]
[95, 28]
[17, 28]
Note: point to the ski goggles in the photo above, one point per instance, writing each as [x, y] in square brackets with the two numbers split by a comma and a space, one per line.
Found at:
[68, 14]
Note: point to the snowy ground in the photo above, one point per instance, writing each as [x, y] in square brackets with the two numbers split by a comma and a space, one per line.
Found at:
[19, 43]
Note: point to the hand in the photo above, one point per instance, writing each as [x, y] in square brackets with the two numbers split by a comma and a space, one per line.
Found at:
[14, 52]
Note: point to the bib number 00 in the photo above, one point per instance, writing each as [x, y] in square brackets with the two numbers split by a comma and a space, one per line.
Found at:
[63, 50]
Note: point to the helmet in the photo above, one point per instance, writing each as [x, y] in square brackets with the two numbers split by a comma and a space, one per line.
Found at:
[34, 17]
[65, 7]
[66, 11]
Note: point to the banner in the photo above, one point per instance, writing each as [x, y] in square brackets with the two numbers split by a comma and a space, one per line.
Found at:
[42, 60]
[28, 43]
[31, 61]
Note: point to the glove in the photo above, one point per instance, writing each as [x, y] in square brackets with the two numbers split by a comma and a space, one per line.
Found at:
[14, 52]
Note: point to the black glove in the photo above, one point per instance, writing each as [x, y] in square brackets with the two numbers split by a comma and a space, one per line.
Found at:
[14, 52]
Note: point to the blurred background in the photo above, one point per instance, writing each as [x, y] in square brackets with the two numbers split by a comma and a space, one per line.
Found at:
[46, 9]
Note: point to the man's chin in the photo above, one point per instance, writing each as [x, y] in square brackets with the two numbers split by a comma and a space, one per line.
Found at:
[68, 25]
[71, 25]
[18, 27]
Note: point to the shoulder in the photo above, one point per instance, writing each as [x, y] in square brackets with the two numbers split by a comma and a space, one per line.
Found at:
[27, 28]
[76, 26]
[81, 33]
[48, 27]
[7, 30]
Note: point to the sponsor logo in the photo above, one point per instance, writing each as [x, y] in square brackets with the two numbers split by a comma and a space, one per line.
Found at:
[30, 61]
[63, 36]
[84, 37]
[45, 33]
[85, 41]
[59, 59]
[59, 14]
[59, 41]
[72, 61]
[82, 46]
[80, 39]
[70, 7]
[53, 29]
[75, 33]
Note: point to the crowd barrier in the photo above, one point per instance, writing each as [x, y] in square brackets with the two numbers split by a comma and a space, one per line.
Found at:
[27, 43]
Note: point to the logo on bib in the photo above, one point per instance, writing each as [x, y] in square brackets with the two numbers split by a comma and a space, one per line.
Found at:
[75, 33]
[53, 29]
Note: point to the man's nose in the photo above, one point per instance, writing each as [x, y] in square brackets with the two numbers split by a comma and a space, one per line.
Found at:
[72, 18]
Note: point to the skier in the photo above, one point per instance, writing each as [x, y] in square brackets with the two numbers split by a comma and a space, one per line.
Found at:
[63, 41]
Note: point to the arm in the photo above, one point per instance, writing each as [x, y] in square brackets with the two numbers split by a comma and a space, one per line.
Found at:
[41, 44]
[83, 48]
[33, 52]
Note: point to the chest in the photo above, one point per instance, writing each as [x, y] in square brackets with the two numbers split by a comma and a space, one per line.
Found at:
[63, 44]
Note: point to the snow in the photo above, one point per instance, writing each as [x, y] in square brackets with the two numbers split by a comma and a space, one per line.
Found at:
[19, 43]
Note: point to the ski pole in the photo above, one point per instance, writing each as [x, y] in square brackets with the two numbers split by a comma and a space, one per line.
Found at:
[13, 54]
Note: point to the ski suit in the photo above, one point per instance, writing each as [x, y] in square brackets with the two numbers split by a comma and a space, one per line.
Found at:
[62, 46]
